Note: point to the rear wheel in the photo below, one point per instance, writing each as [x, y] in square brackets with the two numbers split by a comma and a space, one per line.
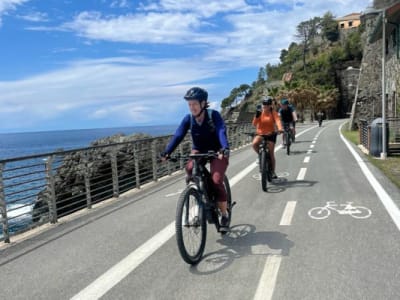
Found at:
[264, 170]
[190, 225]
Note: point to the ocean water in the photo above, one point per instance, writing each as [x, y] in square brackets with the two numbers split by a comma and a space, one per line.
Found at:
[29, 143]
[13, 145]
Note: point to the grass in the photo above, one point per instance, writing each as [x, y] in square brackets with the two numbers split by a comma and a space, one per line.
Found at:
[389, 166]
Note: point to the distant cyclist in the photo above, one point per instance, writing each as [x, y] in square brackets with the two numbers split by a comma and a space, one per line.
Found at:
[288, 117]
[320, 117]
[208, 132]
[267, 121]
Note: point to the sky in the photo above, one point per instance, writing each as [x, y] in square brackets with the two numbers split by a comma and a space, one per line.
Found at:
[78, 64]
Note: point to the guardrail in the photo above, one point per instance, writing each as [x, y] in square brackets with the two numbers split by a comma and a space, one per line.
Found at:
[42, 188]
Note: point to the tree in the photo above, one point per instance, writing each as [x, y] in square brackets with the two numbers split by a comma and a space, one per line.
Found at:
[329, 27]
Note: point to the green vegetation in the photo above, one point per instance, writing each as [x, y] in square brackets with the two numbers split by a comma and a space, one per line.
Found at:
[307, 72]
[390, 166]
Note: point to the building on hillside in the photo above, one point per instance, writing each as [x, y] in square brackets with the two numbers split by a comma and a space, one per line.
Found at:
[349, 21]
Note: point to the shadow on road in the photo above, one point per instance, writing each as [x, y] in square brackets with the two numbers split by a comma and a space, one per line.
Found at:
[281, 184]
[243, 240]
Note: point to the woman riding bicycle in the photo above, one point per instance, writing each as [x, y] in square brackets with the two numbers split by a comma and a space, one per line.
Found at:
[208, 132]
[267, 122]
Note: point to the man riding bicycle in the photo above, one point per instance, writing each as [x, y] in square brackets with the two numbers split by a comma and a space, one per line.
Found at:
[208, 132]
[288, 117]
[267, 122]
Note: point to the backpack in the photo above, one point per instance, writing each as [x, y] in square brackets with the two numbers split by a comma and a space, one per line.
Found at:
[210, 120]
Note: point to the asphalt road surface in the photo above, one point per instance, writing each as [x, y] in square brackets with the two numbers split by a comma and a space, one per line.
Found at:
[328, 228]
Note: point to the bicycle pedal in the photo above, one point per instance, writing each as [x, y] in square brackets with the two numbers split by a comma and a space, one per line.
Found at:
[233, 203]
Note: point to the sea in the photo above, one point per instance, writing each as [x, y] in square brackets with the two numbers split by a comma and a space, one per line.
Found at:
[14, 145]
[29, 143]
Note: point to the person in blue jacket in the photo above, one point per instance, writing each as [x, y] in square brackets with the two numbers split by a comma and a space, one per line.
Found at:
[208, 132]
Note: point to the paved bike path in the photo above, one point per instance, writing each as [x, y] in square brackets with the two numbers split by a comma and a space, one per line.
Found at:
[306, 259]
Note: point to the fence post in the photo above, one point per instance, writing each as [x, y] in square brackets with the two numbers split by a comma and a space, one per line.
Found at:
[114, 171]
[136, 159]
[154, 158]
[3, 208]
[51, 188]
[86, 174]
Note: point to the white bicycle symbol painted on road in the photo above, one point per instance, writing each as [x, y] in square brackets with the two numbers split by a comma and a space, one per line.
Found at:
[358, 212]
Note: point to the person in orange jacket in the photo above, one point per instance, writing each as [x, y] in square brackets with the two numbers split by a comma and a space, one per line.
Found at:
[267, 122]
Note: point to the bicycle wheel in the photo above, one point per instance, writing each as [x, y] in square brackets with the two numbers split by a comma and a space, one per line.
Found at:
[190, 225]
[361, 212]
[228, 199]
[319, 213]
[264, 170]
[288, 142]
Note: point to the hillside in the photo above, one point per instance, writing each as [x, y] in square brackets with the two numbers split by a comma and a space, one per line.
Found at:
[311, 73]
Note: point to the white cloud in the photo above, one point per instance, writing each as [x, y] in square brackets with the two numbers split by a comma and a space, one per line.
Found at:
[6, 6]
[218, 37]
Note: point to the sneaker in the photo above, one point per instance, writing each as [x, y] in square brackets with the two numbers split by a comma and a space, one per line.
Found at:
[274, 176]
[224, 227]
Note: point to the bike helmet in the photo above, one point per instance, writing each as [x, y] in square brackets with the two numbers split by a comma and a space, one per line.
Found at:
[196, 93]
[267, 101]
[284, 101]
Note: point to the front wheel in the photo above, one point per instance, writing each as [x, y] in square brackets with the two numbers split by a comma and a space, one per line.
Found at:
[288, 142]
[264, 170]
[190, 225]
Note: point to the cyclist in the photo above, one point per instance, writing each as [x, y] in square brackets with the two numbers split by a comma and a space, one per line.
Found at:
[288, 117]
[320, 117]
[208, 132]
[267, 121]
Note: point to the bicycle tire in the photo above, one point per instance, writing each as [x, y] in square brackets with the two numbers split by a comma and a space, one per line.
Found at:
[264, 170]
[288, 142]
[228, 200]
[319, 213]
[190, 225]
[363, 212]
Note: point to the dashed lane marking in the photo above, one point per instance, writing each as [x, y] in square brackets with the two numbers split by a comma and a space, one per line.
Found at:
[302, 174]
[288, 213]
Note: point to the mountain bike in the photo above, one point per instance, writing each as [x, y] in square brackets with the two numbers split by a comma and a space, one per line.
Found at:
[196, 207]
[288, 136]
[264, 159]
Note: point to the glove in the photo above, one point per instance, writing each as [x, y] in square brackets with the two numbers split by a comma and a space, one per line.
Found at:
[164, 155]
[226, 152]
[258, 110]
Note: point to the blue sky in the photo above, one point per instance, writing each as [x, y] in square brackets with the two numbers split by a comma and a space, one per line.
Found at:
[74, 64]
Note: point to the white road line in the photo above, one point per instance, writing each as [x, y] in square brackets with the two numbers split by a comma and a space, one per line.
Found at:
[309, 151]
[306, 159]
[119, 271]
[288, 213]
[302, 174]
[266, 285]
[312, 146]
[386, 200]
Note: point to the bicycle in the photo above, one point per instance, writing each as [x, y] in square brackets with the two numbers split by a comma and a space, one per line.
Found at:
[288, 137]
[196, 207]
[264, 160]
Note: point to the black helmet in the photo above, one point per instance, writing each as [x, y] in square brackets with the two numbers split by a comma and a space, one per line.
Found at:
[196, 93]
[267, 101]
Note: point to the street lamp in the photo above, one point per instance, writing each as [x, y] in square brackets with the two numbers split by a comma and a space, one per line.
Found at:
[381, 12]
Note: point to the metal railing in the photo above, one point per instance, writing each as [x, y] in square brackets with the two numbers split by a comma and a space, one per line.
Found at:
[42, 188]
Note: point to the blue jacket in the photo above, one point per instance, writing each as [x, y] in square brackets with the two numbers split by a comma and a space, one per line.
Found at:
[210, 135]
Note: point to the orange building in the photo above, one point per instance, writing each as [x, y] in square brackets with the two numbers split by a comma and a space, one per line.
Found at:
[349, 21]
